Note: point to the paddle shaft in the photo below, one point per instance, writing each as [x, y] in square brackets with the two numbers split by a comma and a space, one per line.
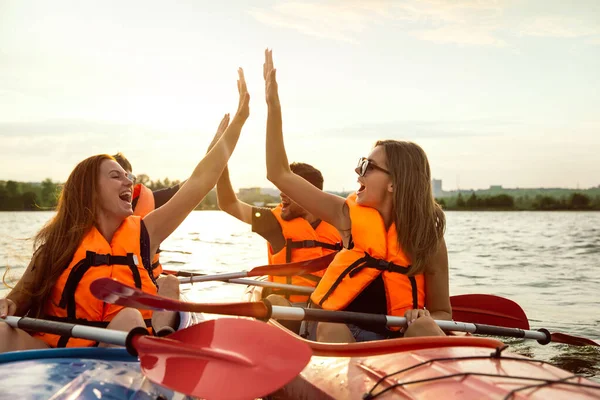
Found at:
[112, 291]
[252, 282]
[103, 335]
[364, 319]
[194, 277]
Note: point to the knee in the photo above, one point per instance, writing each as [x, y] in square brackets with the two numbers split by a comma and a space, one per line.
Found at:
[333, 332]
[277, 300]
[127, 319]
[5, 332]
[168, 286]
[424, 326]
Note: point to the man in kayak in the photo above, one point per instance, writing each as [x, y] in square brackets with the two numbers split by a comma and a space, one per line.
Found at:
[292, 233]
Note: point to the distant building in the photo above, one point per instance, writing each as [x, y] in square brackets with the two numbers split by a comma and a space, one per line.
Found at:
[249, 191]
[255, 191]
[270, 191]
[436, 186]
[496, 187]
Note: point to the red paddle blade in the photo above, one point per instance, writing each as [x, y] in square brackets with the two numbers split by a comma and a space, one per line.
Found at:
[573, 340]
[488, 309]
[228, 358]
[114, 292]
[295, 268]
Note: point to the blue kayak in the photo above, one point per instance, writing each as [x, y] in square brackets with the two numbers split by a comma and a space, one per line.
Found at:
[81, 373]
[77, 373]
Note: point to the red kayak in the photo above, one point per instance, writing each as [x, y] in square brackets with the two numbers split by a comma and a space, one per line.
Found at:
[448, 367]
[452, 367]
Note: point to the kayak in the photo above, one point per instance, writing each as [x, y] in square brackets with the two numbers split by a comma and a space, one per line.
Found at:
[82, 373]
[452, 367]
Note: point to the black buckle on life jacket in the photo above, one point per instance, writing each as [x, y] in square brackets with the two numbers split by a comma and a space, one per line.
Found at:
[310, 243]
[385, 266]
[95, 259]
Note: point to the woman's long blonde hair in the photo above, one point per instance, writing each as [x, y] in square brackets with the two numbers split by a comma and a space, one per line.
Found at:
[420, 221]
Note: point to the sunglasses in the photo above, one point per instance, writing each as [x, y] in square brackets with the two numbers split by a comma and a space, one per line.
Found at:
[365, 165]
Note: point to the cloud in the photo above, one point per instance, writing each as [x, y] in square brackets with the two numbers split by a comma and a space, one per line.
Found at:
[331, 21]
[459, 22]
[456, 34]
[559, 27]
[412, 130]
[70, 128]
[467, 22]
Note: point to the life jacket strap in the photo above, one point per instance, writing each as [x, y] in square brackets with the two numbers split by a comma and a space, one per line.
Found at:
[93, 259]
[367, 261]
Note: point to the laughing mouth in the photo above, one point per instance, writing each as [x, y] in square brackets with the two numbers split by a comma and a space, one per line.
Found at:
[126, 196]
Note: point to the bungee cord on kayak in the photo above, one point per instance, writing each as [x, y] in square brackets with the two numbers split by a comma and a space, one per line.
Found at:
[542, 382]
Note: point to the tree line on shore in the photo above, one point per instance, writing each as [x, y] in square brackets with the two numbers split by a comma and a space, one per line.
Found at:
[27, 196]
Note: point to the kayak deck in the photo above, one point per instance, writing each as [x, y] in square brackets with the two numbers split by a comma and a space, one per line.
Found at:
[440, 373]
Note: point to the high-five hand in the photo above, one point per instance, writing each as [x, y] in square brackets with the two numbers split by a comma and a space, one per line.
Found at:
[243, 110]
[269, 73]
[220, 130]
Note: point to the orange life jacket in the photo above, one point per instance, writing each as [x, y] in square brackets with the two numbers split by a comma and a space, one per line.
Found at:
[71, 300]
[374, 252]
[302, 242]
[143, 201]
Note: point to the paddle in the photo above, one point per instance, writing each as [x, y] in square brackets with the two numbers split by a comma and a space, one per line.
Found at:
[289, 269]
[488, 309]
[225, 358]
[112, 291]
[252, 282]
[477, 308]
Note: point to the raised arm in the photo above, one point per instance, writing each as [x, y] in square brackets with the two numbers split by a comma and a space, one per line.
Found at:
[226, 198]
[325, 206]
[163, 221]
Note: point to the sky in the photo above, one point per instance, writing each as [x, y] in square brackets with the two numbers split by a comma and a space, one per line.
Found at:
[496, 92]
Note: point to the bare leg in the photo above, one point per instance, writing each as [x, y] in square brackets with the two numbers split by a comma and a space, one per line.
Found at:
[424, 326]
[125, 320]
[334, 333]
[168, 286]
[14, 339]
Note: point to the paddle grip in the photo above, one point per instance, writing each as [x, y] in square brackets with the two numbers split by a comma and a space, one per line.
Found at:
[42, 325]
[548, 338]
[129, 340]
[345, 317]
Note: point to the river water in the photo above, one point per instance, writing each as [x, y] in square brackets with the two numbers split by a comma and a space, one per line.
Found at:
[548, 262]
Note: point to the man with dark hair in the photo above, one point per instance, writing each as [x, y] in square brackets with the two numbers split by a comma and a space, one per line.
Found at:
[292, 233]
